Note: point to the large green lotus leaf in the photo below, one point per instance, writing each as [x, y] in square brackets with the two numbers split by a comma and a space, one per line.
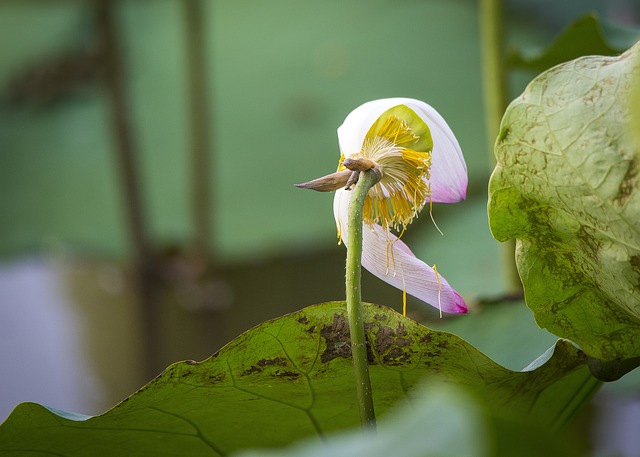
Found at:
[291, 378]
[566, 187]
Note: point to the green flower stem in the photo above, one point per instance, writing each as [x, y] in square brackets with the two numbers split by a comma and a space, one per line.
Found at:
[354, 299]
[493, 67]
[495, 101]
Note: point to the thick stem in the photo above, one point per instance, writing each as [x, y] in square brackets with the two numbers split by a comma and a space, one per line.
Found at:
[354, 299]
[495, 101]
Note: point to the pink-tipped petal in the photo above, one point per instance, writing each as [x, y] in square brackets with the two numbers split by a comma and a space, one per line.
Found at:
[391, 260]
[448, 179]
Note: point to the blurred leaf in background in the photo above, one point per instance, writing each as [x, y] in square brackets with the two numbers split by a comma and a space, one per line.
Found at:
[581, 38]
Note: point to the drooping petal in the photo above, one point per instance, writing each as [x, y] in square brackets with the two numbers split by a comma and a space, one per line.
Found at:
[448, 180]
[391, 260]
[448, 169]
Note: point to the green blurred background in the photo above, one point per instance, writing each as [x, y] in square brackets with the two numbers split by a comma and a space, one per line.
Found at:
[279, 77]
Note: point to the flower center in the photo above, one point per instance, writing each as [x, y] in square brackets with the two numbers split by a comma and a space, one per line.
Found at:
[403, 190]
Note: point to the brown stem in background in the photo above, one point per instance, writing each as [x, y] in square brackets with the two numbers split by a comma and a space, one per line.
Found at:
[200, 121]
[128, 170]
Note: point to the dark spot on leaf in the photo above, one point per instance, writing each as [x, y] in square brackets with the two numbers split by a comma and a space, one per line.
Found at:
[504, 135]
[311, 329]
[249, 371]
[291, 375]
[303, 320]
[443, 344]
[590, 241]
[392, 345]
[280, 361]
[426, 339]
[395, 355]
[627, 185]
[214, 378]
[337, 339]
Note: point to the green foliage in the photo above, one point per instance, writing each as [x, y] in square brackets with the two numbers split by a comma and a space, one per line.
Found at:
[582, 37]
[566, 187]
[291, 378]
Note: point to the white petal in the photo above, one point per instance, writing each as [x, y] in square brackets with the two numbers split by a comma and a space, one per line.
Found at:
[448, 168]
[391, 260]
[341, 212]
[357, 123]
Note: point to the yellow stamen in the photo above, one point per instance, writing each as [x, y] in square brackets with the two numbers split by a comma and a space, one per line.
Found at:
[404, 302]
[404, 294]
[389, 253]
[439, 289]
[398, 146]
[431, 214]
[402, 190]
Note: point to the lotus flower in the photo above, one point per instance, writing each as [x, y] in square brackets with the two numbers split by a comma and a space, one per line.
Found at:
[419, 160]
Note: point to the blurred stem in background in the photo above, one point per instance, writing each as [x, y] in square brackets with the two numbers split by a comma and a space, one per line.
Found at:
[201, 124]
[495, 101]
[201, 250]
[151, 270]
[135, 212]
